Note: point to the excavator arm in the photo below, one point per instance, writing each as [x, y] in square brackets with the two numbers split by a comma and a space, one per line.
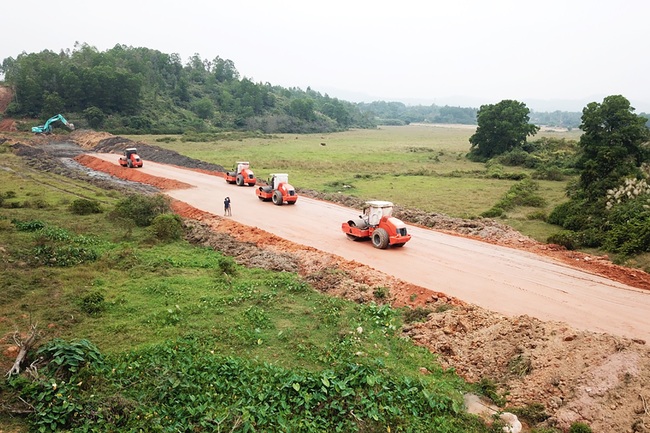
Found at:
[47, 127]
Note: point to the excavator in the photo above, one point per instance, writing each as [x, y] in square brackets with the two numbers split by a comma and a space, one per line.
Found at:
[47, 127]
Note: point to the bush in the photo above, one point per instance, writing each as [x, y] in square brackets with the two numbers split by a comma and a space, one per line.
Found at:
[513, 158]
[520, 194]
[579, 427]
[537, 215]
[549, 173]
[227, 265]
[93, 303]
[565, 238]
[533, 414]
[569, 215]
[37, 203]
[141, 209]
[418, 314]
[28, 226]
[66, 358]
[83, 206]
[629, 231]
[63, 256]
[167, 227]
[94, 116]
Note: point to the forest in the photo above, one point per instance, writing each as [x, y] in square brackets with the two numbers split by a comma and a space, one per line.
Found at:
[144, 91]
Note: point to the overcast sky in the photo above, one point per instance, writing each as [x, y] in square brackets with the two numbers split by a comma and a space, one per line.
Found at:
[456, 52]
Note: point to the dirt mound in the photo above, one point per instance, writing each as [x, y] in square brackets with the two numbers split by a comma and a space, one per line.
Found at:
[8, 125]
[132, 174]
[578, 376]
[6, 95]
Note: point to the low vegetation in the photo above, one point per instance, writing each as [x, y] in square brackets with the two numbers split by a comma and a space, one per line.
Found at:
[139, 330]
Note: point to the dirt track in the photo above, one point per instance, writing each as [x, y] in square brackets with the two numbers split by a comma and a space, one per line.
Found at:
[504, 280]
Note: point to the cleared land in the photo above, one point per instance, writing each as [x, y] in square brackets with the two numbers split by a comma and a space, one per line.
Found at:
[415, 166]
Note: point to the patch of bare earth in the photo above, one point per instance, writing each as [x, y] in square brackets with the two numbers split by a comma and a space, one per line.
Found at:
[599, 379]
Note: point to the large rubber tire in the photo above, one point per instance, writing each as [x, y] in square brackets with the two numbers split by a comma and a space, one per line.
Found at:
[277, 198]
[380, 239]
[239, 180]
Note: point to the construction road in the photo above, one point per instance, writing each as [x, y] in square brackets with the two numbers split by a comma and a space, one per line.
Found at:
[504, 280]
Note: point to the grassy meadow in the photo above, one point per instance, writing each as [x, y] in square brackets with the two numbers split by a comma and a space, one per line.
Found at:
[416, 166]
[148, 335]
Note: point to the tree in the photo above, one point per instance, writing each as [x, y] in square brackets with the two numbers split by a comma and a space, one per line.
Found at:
[204, 108]
[302, 108]
[614, 145]
[501, 128]
[94, 116]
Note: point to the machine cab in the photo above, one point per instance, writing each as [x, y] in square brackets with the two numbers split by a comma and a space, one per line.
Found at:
[242, 165]
[276, 179]
[375, 210]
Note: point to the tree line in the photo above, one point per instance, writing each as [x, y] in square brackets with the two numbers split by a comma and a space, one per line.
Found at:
[398, 113]
[140, 90]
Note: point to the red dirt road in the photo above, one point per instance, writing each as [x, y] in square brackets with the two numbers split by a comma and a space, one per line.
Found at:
[504, 280]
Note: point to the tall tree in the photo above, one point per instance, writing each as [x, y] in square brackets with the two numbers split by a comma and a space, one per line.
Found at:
[614, 144]
[501, 127]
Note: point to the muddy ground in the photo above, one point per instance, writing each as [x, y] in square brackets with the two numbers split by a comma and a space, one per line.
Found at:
[598, 379]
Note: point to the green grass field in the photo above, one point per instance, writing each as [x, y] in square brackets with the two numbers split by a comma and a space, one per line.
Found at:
[191, 341]
[417, 166]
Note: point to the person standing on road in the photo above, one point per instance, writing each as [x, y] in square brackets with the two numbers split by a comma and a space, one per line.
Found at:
[226, 207]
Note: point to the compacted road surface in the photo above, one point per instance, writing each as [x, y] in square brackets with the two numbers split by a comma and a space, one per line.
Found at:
[504, 280]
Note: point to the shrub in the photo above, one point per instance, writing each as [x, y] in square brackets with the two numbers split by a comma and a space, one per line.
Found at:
[63, 256]
[570, 215]
[494, 212]
[533, 413]
[489, 388]
[94, 116]
[549, 173]
[65, 358]
[227, 265]
[37, 203]
[167, 227]
[579, 427]
[629, 231]
[513, 158]
[93, 303]
[28, 226]
[565, 238]
[537, 215]
[418, 314]
[83, 206]
[381, 292]
[141, 209]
